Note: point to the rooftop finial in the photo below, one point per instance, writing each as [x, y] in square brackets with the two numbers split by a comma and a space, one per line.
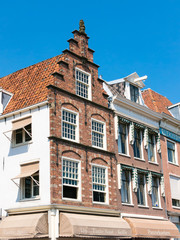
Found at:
[81, 26]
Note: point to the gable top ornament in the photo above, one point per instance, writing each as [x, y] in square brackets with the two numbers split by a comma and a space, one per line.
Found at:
[81, 26]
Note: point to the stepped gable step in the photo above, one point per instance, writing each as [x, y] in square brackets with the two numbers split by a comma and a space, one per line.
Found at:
[58, 75]
[73, 40]
[63, 64]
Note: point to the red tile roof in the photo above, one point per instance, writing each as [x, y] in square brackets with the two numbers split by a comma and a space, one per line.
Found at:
[156, 101]
[28, 85]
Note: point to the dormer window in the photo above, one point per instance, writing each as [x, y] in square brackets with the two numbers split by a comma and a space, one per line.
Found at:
[134, 93]
[4, 99]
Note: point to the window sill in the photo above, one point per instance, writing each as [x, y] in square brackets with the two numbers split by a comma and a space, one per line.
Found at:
[175, 164]
[158, 208]
[139, 159]
[29, 199]
[101, 203]
[99, 148]
[142, 206]
[70, 140]
[155, 163]
[124, 155]
[128, 204]
[71, 199]
[21, 144]
[176, 207]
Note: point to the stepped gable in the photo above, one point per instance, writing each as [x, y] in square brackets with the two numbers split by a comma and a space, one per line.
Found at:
[28, 85]
[156, 101]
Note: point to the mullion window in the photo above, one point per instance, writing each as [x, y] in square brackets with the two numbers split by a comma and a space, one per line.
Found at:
[141, 190]
[137, 143]
[69, 125]
[99, 184]
[171, 152]
[122, 139]
[151, 148]
[134, 92]
[125, 188]
[97, 134]
[82, 84]
[155, 192]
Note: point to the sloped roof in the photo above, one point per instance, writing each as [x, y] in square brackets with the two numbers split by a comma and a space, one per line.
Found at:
[156, 101]
[28, 85]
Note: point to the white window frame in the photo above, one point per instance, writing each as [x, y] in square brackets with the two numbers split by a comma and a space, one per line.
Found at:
[155, 150]
[76, 125]
[22, 184]
[106, 184]
[104, 135]
[127, 140]
[175, 154]
[89, 84]
[130, 187]
[79, 194]
[159, 199]
[141, 145]
[145, 191]
[24, 131]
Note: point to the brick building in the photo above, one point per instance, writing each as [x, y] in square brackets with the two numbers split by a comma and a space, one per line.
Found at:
[170, 145]
[59, 164]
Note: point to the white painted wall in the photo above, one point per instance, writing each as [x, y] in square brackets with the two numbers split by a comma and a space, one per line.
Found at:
[12, 157]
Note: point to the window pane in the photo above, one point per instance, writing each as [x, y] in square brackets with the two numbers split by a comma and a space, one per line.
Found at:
[171, 152]
[155, 195]
[99, 184]
[134, 92]
[151, 148]
[137, 144]
[69, 125]
[82, 81]
[19, 136]
[35, 186]
[27, 182]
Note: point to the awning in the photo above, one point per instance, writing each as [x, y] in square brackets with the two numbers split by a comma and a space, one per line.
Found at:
[21, 123]
[24, 226]
[79, 225]
[28, 170]
[149, 228]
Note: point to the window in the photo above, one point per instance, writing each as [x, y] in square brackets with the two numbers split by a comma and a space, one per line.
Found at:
[155, 192]
[23, 135]
[30, 186]
[69, 125]
[125, 188]
[137, 143]
[122, 139]
[82, 84]
[141, 190]
[134, 92]
[99, 180]
[98, 134]
[151, 148]
[176, 203]
[171, 152]
[71, 179]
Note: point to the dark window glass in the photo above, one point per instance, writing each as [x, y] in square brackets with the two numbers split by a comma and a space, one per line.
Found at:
[137, 143]
[134, 91]
[176, 202]
[98, 196]
[141, 190]
[19, 136]
[122, 146]
[69, 192]
[28, 187]
[155, 195]
[35, 186]
[151, 148]
[125, 188]
[171, 152]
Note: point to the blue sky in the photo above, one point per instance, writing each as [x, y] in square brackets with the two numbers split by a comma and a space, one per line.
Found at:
[127, 36]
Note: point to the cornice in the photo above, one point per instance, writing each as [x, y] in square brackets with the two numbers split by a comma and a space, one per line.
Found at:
[137, 108]
[64, 208]
[171, 119]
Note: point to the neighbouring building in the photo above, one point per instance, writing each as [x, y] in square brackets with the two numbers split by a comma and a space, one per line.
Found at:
[141, 192]
[170, 145]
[63, 170]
